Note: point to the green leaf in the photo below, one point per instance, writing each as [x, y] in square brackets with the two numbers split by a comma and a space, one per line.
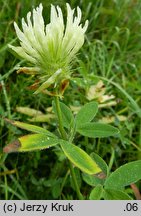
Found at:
[56, 188]
[78, 178]
[87, 113]
[92, 180]
[109, 194]
[67, 116]
[124, 175]
[30, 143]
[94, 130]
[52, 79]
[95, 180]
[79, 158]
[101, 163]
[30, 127]
[96, 193]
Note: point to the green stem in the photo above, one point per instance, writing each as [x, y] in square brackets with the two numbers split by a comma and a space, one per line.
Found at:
[111, 161]
[80, 196]
[6, 185]
[58, 109]
[64, 136]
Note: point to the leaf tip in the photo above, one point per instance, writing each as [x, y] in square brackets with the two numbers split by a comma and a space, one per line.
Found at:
[12, 147]
[100, 175]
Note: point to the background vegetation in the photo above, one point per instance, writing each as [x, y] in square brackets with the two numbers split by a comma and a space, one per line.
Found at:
[112, 50]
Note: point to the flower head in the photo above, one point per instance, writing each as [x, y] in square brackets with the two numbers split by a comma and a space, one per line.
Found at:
[50, 48]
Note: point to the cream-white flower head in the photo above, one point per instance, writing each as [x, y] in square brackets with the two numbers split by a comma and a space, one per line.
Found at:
[50, 48]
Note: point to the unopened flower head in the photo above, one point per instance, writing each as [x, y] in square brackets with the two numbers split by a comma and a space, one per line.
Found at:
[50, 48]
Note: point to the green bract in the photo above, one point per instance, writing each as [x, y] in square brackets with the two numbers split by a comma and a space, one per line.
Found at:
[50, 48]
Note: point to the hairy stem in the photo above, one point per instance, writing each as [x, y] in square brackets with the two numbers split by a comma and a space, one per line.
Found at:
[64, 136]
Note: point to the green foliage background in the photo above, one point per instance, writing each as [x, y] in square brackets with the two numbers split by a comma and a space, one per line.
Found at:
[112, 50]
